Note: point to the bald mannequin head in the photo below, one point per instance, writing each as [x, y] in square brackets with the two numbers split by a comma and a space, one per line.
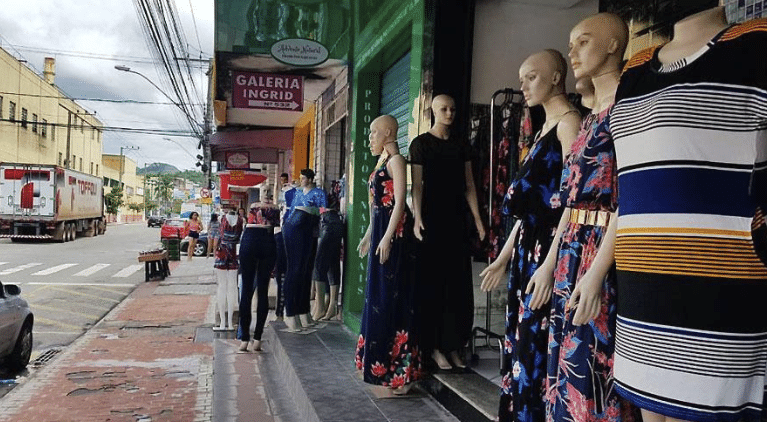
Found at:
[597, 45]
[443, 110]
[383, 131]
[542, 76]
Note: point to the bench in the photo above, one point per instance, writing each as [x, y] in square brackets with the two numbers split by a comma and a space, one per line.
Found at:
[155, 264]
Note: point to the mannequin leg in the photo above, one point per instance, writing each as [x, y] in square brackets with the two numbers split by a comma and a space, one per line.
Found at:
[456, 360]
[248, 264]
[440, 359]
[231, 297]
[320, 307]
[332, 304]
[265, 265]
[221, 281]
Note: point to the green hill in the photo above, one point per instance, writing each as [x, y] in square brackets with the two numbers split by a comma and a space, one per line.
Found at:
[157, 168]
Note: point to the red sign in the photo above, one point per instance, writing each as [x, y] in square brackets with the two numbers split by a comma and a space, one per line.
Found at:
[269, 91]
[238, 178]
[237, 160]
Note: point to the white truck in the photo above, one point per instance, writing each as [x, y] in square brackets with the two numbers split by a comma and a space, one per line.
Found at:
[39, 201]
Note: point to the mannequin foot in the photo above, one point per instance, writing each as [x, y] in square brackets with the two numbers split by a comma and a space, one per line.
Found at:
[255, 345]
[292, 324]
[243, 347]
[456, 360]
[401, 391]
[306, 320]
[331, 313]
[440, 359]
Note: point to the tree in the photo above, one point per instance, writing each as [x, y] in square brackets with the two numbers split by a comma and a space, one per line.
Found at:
[114, 200]
[136, 207]
[164, 188]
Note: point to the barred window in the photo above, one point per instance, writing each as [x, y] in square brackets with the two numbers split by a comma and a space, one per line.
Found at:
[12, 111]
[43, 127]
[34, 122]
[61, 157]
[23, 117]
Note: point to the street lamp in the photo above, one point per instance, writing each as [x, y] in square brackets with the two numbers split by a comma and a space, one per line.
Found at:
[127, 69]
[180, 146]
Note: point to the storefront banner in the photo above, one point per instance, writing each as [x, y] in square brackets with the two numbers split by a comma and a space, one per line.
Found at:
[299, 52]
[267, 91]
[237, 160]
[238, 178]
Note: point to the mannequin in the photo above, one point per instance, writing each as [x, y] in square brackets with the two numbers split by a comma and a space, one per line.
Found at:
[694, 272]
[584, 87]
[580, 271]
[226, 267]
[300, 243]
[388, 331]
[533, 198]
[443, 186]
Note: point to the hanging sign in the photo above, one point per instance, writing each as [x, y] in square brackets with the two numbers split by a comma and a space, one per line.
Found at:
[299, 52]
[237, 160]
[269, 91]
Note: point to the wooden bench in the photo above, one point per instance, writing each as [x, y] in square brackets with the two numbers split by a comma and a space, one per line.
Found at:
[155, 264]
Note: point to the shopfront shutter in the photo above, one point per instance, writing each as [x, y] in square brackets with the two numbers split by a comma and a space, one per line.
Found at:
[395, 98]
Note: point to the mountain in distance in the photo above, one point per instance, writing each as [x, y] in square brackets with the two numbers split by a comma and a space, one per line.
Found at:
[157, 168]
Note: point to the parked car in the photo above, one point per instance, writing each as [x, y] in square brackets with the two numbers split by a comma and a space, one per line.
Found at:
[173, 228]
[155, 221]
[16, 321]
[200, 248]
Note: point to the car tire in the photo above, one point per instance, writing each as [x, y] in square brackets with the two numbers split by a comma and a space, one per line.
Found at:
[200, 248]
[22, 351]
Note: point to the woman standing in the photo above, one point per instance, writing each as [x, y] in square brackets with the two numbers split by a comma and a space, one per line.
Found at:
[387, 351]
[193, 227]
[214, 233]
[533, 198]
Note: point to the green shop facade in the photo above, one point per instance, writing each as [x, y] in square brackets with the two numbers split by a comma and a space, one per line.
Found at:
[403, 52]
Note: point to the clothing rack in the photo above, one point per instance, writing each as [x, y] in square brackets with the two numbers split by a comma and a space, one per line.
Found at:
[509, 95]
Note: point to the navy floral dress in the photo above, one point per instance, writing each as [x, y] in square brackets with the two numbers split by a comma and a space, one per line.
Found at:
[387, 350]
[579, 382]
[533, 198]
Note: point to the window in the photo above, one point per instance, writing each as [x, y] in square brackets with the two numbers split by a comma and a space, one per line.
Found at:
[43, 127]
[53, 132]
[61, 157]
[74, 161]
[23, 117]
[1, 106]
[81, 164]
[34, 122]
[12, 111]
[91, 167]
[97, 169]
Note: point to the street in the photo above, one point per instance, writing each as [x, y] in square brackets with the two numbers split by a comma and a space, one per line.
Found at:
[70, 286]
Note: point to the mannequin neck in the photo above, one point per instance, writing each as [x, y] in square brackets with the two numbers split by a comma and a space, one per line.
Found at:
[555, 107]
[605, 85]
[701, 26]
[440, 130]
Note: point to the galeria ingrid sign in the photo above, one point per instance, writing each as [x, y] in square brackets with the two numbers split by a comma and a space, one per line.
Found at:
[299, 52]
[270, 91]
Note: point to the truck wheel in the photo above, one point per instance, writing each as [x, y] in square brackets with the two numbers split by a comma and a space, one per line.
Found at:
[73, 231]
[91, 231]
[59, 233]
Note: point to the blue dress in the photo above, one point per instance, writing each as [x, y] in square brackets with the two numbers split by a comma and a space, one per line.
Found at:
[387, 350]
[533, 198]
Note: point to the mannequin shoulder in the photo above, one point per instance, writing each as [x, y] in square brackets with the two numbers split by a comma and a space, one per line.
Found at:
[755, 27]
[568, 128]
[396, 162]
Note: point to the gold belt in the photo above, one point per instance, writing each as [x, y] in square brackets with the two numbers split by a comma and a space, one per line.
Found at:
[589, 218]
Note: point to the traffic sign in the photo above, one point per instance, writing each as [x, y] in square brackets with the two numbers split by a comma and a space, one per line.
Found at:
[205, 193]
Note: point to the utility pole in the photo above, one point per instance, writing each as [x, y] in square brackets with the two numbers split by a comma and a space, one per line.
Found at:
[122, 161]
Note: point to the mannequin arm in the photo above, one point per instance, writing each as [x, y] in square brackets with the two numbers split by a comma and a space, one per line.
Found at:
[417, 175]
[471, 198]
[542, 282]
[586, 296]
[396, 167]
[492, 275]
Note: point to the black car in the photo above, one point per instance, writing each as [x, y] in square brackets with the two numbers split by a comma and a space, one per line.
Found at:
[155, 221]
[200, 248]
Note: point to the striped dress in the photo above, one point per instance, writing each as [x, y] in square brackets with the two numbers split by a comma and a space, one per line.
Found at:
[691, 146]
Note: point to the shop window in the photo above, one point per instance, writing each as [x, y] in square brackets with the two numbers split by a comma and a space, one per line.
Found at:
[12, 111]
[34, 122]
[23, 117]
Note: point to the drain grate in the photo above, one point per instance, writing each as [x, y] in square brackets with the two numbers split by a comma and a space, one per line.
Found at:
[45, 357]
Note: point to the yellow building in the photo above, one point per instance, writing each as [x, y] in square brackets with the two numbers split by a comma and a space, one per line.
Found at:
[39, 124]
[119, 168]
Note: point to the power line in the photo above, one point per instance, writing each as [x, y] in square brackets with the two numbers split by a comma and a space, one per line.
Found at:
[194, 22]
[145, 131]
[86, 55]
[108, 100]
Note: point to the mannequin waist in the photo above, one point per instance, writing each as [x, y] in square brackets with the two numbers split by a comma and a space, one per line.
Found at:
[310, 210]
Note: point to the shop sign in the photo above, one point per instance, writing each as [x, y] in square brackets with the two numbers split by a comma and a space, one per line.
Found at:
[268, 91]
[237, 160]
[299, 52]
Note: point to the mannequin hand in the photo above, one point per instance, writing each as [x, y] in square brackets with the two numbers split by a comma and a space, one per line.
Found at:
[418, 228]
[586, 299]
[364, 247]
[480, 230]
[541, 285]
[491, 276]
[383, 249]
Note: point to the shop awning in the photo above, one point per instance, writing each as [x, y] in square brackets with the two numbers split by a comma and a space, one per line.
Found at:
[238, 178]
[263, 145]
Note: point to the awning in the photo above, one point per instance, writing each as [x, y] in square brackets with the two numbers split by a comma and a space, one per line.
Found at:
[263, 145]
[238, 178]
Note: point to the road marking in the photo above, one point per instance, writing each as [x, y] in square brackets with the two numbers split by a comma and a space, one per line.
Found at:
[84, 294]
[57, 333]
[48, 308]
[91, 270]
[105, 288]
[64, 283]
[41, 320]
[20, 268]
[3, 263]
[55, 269]
[127, 271]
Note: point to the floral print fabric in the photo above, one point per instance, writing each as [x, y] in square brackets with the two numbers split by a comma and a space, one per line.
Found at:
[226, 253]
[579, 382]
[532, 197]
[387, 350]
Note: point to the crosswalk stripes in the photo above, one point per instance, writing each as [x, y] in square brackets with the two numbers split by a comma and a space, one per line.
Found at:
[91, 270]
[20, 268]
[55, 269]
[127, 271]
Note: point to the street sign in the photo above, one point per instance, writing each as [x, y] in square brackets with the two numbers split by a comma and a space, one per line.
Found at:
[268, 91]
[206, 201]
[205, 193]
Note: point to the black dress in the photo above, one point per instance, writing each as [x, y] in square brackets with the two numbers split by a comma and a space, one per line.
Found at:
[446, 294]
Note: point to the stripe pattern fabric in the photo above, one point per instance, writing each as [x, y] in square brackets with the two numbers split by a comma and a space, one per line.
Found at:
[691, 147]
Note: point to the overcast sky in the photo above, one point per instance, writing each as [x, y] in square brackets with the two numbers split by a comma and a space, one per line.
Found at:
[110, 28]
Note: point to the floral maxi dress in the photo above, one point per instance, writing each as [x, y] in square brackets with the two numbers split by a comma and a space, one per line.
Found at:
[579, 382]
[387, 351]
